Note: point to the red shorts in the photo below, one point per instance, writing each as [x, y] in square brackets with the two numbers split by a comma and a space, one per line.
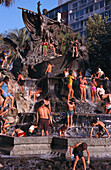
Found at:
[23, 134]
[69, 86]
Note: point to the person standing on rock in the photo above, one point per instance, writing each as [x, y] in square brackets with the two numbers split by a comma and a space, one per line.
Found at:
[77, 152]
[83, 83]
[49, 69]
[6, 95]
[70, 111]
[69, 85]
[93, 89]
[102, 129]
[21, 81]
[43, 118]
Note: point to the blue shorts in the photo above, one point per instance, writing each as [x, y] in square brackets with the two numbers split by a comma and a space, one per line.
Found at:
[70, 113]
[4, 109]
[6, 94]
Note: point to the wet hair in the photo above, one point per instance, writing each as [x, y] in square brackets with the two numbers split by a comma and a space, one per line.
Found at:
[6, 78]
[72, 100]
[70, 72]
[75, 38]
[41, 103]
[17, 127]
[44, 11]
[47, 97]
[84, 145]
[94, 121]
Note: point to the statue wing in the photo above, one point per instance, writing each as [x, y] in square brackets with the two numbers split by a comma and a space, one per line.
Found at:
[31, 20]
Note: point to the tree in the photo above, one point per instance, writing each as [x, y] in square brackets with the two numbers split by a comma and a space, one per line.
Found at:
[6, 2]
[99, 42]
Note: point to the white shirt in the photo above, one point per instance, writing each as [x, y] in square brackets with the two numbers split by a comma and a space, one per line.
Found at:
[100, 91]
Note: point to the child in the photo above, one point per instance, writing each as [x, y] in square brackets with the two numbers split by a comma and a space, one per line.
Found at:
[19, 132]
[21, 81]
[78, 153]
[6, 124]
[70, 111]
[62, 130]
[69, 85]
[32, 129]
[102, 129]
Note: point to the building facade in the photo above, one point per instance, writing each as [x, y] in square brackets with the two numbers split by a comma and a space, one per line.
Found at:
[75, 13]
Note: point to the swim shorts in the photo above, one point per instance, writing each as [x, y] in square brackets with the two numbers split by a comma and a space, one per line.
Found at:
[78, 153]
[22, 134]
[44, 124]
[6, 94]
[93, 88]
[4, 109]
[21, 82]
[70, 113]
[69, 86]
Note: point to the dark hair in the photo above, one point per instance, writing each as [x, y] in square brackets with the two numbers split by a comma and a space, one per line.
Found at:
[94, 121]
[0, 91]
[84, 145]
[17, 127]
[47, 97]
[6, 78]
[70, 72]
[41, 103]
[75, 38]
[72, 100]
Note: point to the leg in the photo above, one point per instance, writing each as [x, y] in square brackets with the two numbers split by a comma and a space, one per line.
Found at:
[69, 94]
[72, 93]
[46, 132]
[23, 89]
[68, 120]
[84, 163]
[91, 95]
[85, 94]
[42, 132]
[12, 103]
[71, 121]
[95, 96]
[81, 89]
[34, 97]
[5, 101]
[75, 163]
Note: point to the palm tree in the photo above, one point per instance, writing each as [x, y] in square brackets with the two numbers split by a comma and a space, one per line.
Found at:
[6, 2]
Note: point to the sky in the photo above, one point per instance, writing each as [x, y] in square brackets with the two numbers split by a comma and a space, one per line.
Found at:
[11, 17]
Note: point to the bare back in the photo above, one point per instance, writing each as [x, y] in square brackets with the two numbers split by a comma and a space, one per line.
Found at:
[43, 112]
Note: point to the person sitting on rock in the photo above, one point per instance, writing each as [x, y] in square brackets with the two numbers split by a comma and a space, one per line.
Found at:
[102, 129]
[2, 109]
[66, 72]
[62, 130]
[49, 69]
[18, 131]
[82, 86]
[36, 94]
[69, 85]
[32, 128]
[6, 124]
[75, 48]
[70, 111]
[107, 108]
[101, 94]
[5, 94]
[77, 152]
[21, 81]
[100, 73]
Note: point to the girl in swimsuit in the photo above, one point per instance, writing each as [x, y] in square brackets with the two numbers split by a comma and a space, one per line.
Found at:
[6, 95]
[83, 83]
[19, 132]
[93, 89]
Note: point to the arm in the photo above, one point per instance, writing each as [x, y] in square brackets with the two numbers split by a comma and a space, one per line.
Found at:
[74, 109]
[48, 114]
[46, 70]
[37, 117]
[18, 79]
[88, 160]
[106, 132]
[49, 107]
[1, 84]
[13, 133]
[72, 147]
[2, 113]
[73, 51]
[98, 94]
[91, 132]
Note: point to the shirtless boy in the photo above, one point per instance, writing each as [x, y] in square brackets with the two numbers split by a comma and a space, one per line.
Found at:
[78, 154]
[71, 110]
[19, 132]
[102, 129]
[43, 117]
[20, 81]
[49, 70]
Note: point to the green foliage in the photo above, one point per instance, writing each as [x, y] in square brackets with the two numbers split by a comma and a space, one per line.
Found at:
[64, 40]
[98, 42]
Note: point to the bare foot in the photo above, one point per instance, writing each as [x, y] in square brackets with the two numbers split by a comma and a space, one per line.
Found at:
[85, 101]
[13, 108]
[82, 101]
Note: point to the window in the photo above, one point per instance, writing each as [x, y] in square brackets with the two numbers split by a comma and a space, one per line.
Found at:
[91, 8]
[71, 16]
[96, 6]
[51, 14]
[74, 5]
[101, 4]
[81, 12]
[83, 1]
[81, 23]
[65, 8]
[77, 14]
[86, 10]
[56, 11]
